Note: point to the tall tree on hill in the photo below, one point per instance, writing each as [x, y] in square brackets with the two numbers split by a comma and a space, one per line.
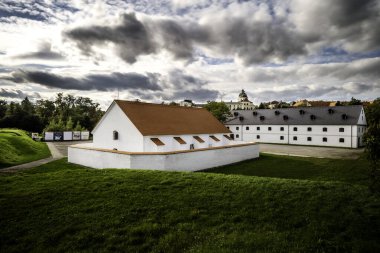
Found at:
[372, 142]
[3, 108]
[218, 109]
[355, 101]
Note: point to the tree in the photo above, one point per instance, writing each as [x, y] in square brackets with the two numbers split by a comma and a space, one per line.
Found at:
[69, 125]
[355, 101]
[218, 109]
[261, 106]
[372, 144]
[3, 108]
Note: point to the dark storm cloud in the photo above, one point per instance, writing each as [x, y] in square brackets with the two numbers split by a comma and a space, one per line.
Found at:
[101, 82]
[5, 93]
[252, 42]
[131, 38]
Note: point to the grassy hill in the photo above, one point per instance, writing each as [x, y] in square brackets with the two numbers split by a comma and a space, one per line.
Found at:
[65, 207]
[17, 147]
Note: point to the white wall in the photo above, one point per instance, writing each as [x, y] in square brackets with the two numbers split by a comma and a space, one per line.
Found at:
[172, 145]
[333, 135]
[185, 161]
[130, 139]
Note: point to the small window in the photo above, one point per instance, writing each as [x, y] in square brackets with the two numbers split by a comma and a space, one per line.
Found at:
[309, 129]
[302, 112]
[179, 140]
[281, 137]
[341, 140]
[257, 136]
[325, 129]
[246, 128]
[258, 128]
[237, 128]
[313, 117]
[269, 128]
[199, 139]
[115, 135]
[341, 129]
[294, 138]
[214, 138]
[324, 139]
[295, 129]
[262, 118]
[285, 117]
[228, 127]
[227, 137]
[157, 141]
[308, 138]
[237, 136]
[281, 128]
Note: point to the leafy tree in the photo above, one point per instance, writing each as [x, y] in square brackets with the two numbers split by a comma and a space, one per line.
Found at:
[355, 101]
[261, 106]
[69, 125]
[338, 103]
[218, 109]
[78, 127]
[3, 108]
[372, 144]
[173, 103]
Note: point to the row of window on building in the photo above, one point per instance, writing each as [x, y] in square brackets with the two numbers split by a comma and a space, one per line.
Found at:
[295, 138]
[295, 129]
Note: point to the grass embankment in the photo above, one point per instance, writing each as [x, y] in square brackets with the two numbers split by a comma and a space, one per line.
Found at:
[16, 147]
[291, 167]
[64, 207]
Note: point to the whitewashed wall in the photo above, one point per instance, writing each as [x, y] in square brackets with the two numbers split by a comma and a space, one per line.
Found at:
[350, 135]
[130, 139]
[172, 145]
[186, 161]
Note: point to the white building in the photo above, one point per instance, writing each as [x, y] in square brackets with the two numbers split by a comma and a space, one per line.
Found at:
[155, 136]
[243, 103]
[340, 126]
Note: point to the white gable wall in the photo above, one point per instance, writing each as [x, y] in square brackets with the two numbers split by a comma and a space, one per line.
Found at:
[172, 145]
[130, 139]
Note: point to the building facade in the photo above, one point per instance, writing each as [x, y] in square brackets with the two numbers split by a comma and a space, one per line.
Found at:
[243, 103]
[163, 137]
[341, 126]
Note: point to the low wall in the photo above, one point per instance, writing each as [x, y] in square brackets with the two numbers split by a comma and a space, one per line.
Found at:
[188, 160]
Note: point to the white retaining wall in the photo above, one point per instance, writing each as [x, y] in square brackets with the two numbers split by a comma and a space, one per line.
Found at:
[177, 161]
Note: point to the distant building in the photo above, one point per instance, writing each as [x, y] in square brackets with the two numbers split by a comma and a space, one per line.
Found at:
[243, 103]
[340, 126]
[187, 103]
[163, 137]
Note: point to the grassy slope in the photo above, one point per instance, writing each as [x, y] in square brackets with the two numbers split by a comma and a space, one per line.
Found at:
[63, 207]
[350, 171]
[17, 147]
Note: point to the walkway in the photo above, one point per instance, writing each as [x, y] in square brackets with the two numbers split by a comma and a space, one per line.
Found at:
[308, 151]
[55, 155]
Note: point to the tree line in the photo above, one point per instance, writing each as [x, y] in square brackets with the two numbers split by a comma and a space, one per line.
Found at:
[65, 112]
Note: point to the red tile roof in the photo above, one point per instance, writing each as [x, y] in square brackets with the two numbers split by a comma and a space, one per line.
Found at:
[158, 119]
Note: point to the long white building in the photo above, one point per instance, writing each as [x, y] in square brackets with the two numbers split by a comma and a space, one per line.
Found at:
[163, 137]
[340, 126]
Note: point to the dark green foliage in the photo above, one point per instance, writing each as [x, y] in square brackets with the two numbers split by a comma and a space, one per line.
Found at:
[58, 115]
[60, 207]
[355, 101]
[218, 109]
[372, 143]
[17, 147]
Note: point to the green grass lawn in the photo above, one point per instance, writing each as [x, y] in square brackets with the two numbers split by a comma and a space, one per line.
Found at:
[63, 207]
[16, 147]
[291, 167]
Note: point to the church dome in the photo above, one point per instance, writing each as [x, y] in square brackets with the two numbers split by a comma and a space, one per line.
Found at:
[243, 96]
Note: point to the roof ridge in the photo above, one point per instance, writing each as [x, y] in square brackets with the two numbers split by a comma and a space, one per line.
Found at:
[155, 104]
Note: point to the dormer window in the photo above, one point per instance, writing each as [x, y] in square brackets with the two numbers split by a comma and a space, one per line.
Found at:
[236, 114]
[331, 111]
[286, 117]
[277, 112]
[302, 112]
[115, 135]
[254, 113]
[241, 118]
[344, 116]
[312, 117]
[262, 118]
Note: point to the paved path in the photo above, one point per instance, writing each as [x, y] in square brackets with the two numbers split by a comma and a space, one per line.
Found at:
[58, 150]
[306, 151]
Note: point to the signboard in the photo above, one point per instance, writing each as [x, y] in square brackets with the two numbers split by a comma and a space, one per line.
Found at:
[49, 136]
[85, 135]
[76, 135]
[67, 136]
[58, 136]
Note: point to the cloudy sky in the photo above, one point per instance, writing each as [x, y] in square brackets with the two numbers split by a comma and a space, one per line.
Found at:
[190, 49]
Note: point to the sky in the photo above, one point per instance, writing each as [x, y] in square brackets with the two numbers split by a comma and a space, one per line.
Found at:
[201, 50]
